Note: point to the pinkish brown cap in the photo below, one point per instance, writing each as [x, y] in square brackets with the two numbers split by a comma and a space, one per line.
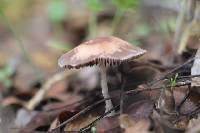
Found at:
[104, 50]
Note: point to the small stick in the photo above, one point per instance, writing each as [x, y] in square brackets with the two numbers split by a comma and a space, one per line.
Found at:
[156, 88]
[39, 96]
[80, 113]
[189, 76]
[168, 73]
[179, 25]
[102, 116]
[192, 28]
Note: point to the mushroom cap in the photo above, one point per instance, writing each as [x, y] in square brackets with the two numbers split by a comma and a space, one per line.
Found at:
[104, 50]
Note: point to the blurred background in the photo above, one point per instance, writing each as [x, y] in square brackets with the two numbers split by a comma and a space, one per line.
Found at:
[34, 33]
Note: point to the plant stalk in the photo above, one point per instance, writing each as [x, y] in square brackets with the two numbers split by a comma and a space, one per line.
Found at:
[116, 20]
[92, 25]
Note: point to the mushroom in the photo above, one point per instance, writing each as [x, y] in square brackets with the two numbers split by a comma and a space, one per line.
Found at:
[104, 52]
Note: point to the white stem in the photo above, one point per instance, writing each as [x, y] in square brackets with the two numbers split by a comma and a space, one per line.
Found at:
[105, 93]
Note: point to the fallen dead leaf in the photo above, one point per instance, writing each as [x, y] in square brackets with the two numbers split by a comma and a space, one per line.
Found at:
[194, 126]
[81, 122]
[140, 109]
[45, 118]
[125, 121]
[108, 124]
[10, 101]
[141, 126]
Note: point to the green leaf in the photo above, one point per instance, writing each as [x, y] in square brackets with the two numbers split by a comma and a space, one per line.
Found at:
[60, 46]
[2, 75]
[126, 4]
[173, 81]
[94, 5]
[1, 10]
[57, 10]
[9, 70]
[167, 25]
[7, 83]
[136, 42]
[93, 129]
[2, 5]
[5, 74]
[142, 30]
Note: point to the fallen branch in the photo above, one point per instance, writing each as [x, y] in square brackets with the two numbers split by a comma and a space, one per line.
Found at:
[39, 96]
[192, 27]
[84, 129]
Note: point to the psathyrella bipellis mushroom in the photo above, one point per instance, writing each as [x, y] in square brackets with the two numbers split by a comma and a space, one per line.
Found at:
[104, 52]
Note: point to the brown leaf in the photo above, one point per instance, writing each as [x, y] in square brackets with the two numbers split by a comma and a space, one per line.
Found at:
[179, 94]
[7, 117]
[125, 121]
[140, 109]
[191, 103]
[136, 73]
[194, 126]
[42, 119]
[141, 126]
[10, 101]
[79, 123]
[45, 118]
[108, 124]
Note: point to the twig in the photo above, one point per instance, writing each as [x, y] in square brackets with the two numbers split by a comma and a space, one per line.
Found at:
[192, 28]
[170, 72]
[102, 116]
[186, 77]
[80, 113]
[185, 19]
[46, 87]
[157, 88]
[179, 24]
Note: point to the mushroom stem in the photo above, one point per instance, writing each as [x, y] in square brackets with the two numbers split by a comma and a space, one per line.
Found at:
[104, 88]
